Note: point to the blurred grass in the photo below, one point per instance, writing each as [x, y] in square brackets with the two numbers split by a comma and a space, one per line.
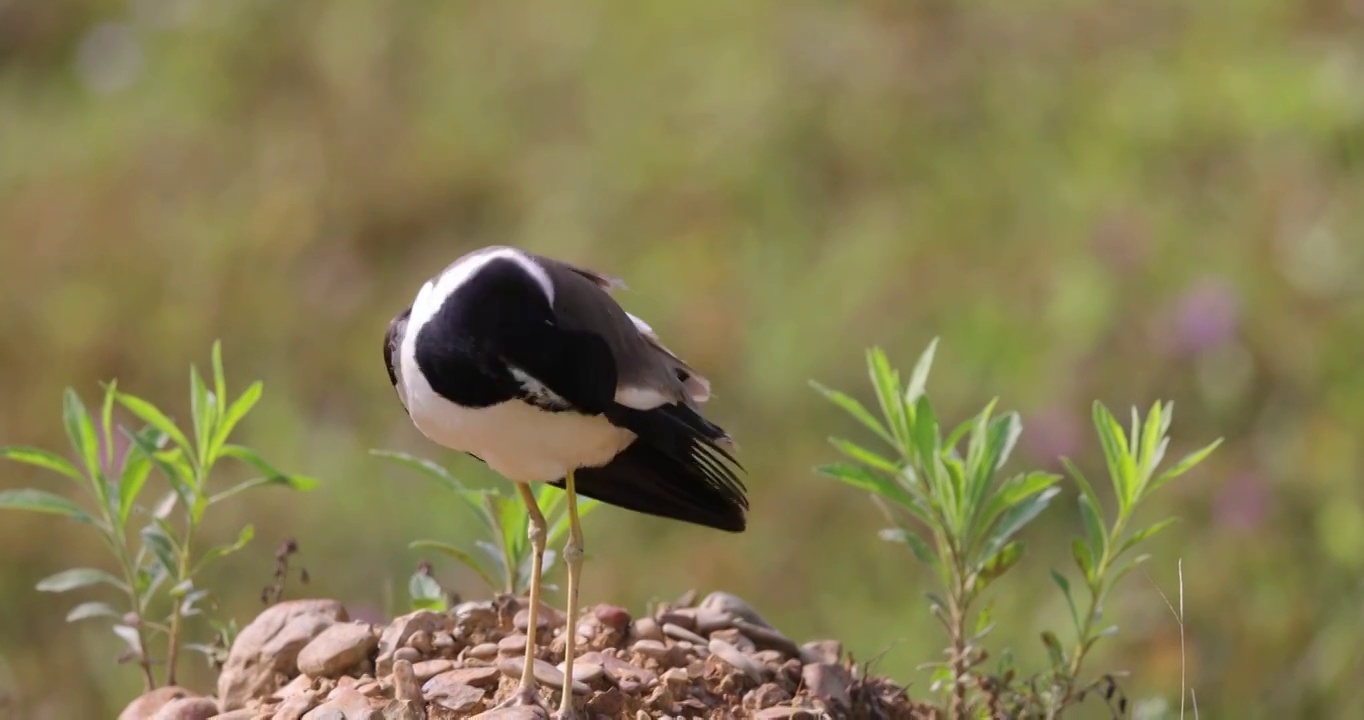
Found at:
[1084, 200]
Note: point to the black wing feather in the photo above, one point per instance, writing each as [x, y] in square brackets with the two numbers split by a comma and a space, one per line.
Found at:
[675, 468]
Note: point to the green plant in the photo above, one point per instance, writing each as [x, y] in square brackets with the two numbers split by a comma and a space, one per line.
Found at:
[926, 485]
[164, 561]
[970, 517]
[1132, 460]
[506, 522]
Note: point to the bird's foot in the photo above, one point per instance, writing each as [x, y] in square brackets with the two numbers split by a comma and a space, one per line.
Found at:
[565, 714]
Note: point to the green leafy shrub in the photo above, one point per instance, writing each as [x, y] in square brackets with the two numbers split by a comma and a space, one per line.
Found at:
[960, 520]
[503, 559]
[165, 559]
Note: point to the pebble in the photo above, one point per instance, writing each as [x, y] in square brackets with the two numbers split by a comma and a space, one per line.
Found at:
[708, 620]
[821, 651]
[512, 645]
[768, 639]
[405, 685]
[734, 607]
[190, 708]
[337, 649]
[650, 648]
[483, 651]
[151, 702]
[647, 629]
[443, 641]
[457, 696]
[784, 712]
[765, 696]
[828, 683]
[479, 677]
[544, 672]
[735, 637]
[513, 713]
[294, 707]
[616, 618]
[677, 632]
[427, 669]
[409, 654]
[267, 648]
[347, 705]
[421, 640]
[398, 632]
[583, 671]
[684, 618]
[740, 661]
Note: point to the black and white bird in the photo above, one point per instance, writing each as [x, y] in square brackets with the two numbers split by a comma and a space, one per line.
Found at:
[528, 364]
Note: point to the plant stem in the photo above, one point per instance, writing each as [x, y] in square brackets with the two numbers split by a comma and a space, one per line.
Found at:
[173, 637]
[1082, 643]
[115, 543]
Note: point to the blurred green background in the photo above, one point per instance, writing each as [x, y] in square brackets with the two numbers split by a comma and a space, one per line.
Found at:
[1085, 200]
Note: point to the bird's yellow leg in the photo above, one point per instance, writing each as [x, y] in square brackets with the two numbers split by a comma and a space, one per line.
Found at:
[573, 558]
[526, 694]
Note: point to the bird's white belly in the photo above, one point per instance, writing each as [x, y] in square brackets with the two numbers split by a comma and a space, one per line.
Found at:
[518, 441]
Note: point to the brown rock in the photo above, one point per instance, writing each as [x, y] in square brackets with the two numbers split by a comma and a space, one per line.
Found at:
[708, 620]
[735, 637]
[337, 649]
[544, 673]
[784, 712]
[677, 632]
[738, 660]
[768, 639]
[151, 702]
[296, 706]
[346, 704]
[616, 618]
[479, 677]
[647, 629]
[427, 669]
[404, 710]
[684, 618]
[610, 703]
[454, 695]
[522, 712]
[401, 630]
[821, 651]
[190, 708]
[828, 683]
[239, 714]
[410, 654]
[268, 648]
[734, 607]
[482, 651]
[766, 696]
[405, 685]
[512, 645]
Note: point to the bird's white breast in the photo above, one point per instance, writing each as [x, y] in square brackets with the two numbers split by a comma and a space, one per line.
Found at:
[518, 441]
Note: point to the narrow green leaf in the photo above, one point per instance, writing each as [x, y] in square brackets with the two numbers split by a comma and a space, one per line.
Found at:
[220, 551]
[107, 421]
[203, 412]
[1016, 517]
[1064, 584]
[1080, 480]
[81, 432]
[855, 409]
[865, 479]
[916, 544]
[1185, 465]
[1054, 651]
[77, 578]
[1094, 526]
[234, 414]
[167, 464]
[514, 520]
[1116, 455]
[459, 555]
[162, 546]
[43, 502]
[426, 467]
[887, 384]
[42, 459]
[219, 378]
[87, 610]
[918, 378]
[272, 476]
[148, 413]
[862, 455]
[1084, 557]
[137, 467]
[1006, 557]
[1010, 493]
[1145, 533]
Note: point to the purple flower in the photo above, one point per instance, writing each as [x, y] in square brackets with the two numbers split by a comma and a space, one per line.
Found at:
[1205, 316]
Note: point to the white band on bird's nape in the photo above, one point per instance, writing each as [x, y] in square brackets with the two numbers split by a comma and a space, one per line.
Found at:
[436, 290]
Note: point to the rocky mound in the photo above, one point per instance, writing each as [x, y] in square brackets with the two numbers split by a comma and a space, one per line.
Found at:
[306, 660]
